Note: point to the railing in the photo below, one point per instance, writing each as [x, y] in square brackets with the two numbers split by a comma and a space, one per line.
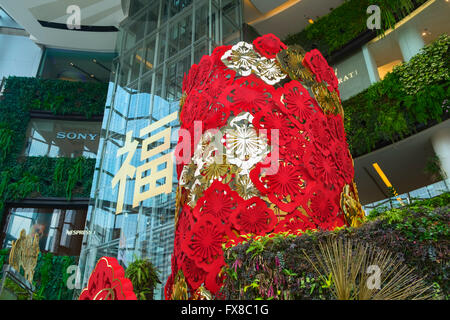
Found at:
[426, 192]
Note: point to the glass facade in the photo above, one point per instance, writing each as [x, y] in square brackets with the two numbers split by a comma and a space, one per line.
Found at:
[59, 230]
[158, 44]
[62, 138]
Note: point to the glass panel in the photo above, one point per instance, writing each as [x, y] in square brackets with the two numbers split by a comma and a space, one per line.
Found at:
[180, 35]
[61, 138]
[201, 22]
[60, 231]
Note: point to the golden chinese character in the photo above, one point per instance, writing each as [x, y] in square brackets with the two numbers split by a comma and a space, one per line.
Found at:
[156, 173]
[125, 170]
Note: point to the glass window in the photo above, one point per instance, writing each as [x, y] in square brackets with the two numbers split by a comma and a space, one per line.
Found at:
[76, 65]
[61, 138]
[60, 231]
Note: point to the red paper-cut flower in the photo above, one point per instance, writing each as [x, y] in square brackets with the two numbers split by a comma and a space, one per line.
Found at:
[218, 201]
[343, 161]
[254, 217]
[204, 70]
[248, 94]
[294, 149]
[317, 132]
[298, 100]
[336, 127]
[268, 45]
[185, 222]
[214, 278]
[286, 181]
[322, 205]
[319, 66]
[204, 241]
[293, 223]
[195, 108]
[108, 282]
[322, 167]
[283, 187]
[194, 275]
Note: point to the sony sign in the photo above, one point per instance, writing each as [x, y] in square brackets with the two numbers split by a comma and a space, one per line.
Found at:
[76, 136]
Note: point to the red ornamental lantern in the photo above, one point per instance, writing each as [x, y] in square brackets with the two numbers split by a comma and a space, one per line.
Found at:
[108, 282]
[278, 161]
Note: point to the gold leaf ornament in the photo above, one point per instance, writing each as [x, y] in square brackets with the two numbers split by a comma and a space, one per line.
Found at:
[350, 205]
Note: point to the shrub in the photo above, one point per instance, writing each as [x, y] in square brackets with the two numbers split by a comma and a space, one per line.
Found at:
[276, 267]
[144, 277]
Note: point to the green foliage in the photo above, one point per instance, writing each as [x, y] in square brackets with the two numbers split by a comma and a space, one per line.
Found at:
[421, 221]
[43, 176]
[59, 97]
[432, 64]
[388, 110]
[276, 268]
[50, 277]
[6, 140]
[343, 24]
[144, 277]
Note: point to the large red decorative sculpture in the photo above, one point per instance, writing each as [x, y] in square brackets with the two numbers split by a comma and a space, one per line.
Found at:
[108, 282]
[278, 161]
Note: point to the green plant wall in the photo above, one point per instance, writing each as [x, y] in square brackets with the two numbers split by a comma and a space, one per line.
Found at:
[22, 177]
[50, 277]
[346, 22]
[412, 97]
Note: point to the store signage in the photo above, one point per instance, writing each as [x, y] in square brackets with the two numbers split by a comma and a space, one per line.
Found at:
[76, 136]
[347, 76]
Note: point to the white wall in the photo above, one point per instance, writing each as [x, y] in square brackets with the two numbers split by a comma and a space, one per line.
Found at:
[19, 56]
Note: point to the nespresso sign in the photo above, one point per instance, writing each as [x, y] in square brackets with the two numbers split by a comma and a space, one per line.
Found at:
[76, 136]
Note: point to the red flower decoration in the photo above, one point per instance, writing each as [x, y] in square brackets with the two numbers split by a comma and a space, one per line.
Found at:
[190, 79]
[293, 223]
[219, 201]
[298, 100]
[247, 94]
[185, 223]
[214, 279]
[268, 45]
[321, 167]
[313, 163]
[317, 132]
[336, 127]
[282, 187]
[204, 242]
[322, 206]
[254, 217]
[343, 161]
[286, 181]
[319, 66]
[108, 282]
[194, 275]
[195, 108]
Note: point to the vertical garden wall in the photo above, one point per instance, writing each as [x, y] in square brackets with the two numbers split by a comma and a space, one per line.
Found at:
[44, 177]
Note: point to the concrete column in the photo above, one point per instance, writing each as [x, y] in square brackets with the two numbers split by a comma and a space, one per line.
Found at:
[410, 41]
[371, 65]
[441, 146]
